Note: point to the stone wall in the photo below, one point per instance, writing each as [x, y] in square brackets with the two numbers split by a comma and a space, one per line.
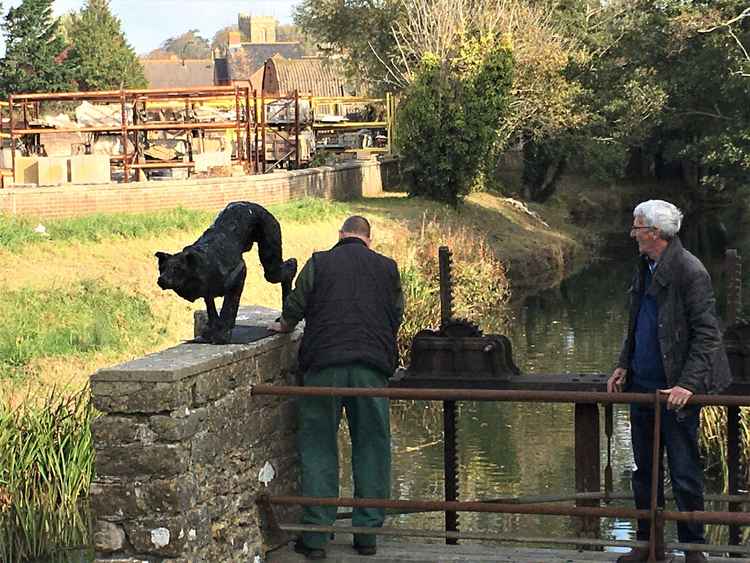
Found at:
[181, 443]
[341, 182]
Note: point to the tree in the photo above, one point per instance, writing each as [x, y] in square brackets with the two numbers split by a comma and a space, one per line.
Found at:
[221, 37]
[701, 135]
[455, 98]
[189, 45]
[357, 30]
[541, 101]
[293, 34]
[35, 58]
[101, 56]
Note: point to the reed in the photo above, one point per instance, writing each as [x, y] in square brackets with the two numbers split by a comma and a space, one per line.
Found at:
[713, 439]
[45, 478]
[480, 285]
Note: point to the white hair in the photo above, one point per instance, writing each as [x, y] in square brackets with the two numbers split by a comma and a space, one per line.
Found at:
[660, 214]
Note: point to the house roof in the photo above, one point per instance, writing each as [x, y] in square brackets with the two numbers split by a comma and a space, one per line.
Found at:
[245, 61]
[176, 73]
[317, 77]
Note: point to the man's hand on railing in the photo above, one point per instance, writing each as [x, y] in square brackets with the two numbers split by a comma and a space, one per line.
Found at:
[678, 397]
[616, 380]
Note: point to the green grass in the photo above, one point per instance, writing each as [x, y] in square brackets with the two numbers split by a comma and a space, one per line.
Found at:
[85, 318]
[17, 233]
[310, 210]
[45, 477]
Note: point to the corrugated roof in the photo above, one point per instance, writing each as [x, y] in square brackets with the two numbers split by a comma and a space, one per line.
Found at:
[319, 77]
[170, 73]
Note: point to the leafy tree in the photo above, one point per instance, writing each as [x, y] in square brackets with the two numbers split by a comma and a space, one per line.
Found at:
[35, 58]
[189, 45]
[701, 134]
[221, 37]
[357, 30]
[158, 54]
[100, 54]
[293, 34]
[449, 116]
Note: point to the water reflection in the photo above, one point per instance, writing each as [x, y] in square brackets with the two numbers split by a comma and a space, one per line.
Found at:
[526, 449]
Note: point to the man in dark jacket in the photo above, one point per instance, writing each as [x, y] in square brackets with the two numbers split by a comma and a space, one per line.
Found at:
[673, 345]
[351, 300]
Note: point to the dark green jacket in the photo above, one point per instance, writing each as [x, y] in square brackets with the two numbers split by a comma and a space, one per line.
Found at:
[689, 334]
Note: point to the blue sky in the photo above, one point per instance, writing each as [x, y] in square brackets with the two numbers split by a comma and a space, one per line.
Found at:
[147, 23]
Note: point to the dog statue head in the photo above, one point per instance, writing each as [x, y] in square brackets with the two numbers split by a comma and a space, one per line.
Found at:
[181, 272]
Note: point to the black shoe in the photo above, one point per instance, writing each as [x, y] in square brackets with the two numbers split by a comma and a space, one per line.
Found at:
[309, 552]
[366, 549]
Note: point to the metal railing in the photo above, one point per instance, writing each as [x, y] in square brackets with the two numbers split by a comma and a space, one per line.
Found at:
[655, 514]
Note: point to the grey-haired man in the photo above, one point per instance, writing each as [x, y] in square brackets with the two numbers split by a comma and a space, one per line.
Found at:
[673, 345]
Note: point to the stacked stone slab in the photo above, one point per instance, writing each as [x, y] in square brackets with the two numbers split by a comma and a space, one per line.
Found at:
[180, 446]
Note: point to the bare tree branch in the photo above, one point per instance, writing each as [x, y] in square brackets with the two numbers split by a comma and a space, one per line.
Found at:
[727, 25]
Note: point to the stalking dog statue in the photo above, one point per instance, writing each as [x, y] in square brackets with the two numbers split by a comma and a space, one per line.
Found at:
[213, 266]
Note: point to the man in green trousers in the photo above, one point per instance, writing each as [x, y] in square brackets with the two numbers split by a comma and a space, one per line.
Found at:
[351, 300]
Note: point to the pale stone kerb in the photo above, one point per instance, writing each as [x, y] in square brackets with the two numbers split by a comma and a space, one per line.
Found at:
[182, 361]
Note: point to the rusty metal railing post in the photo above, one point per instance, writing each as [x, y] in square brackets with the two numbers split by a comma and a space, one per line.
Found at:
[12, 125]
[587, 464]
[238, 124]
[248, 138]
[296, 130]
[654, 541]
[124, 133]
[263, 130]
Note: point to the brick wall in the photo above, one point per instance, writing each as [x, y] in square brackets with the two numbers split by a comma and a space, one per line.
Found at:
[341, 182]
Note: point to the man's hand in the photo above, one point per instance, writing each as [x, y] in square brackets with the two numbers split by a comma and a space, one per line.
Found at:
[616, 380]
[279, 326]
[678, 397]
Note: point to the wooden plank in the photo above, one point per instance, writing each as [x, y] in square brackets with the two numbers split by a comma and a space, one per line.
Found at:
[396, 552]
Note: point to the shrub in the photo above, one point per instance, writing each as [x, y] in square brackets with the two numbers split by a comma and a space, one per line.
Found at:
[449, 116]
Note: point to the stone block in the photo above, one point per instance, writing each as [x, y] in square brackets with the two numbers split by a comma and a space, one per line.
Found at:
[108, 537]
[90, 169]
[172, 536]
[113, 397]
[6, 158]
[127, 499]
[162, 460]
[204, 161]
[117, 431]
[179, 425]
[26, 170]
[53, 170]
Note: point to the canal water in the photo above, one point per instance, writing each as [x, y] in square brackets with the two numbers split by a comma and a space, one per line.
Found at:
[508, 449]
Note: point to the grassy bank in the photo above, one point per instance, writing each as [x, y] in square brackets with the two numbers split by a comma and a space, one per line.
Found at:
[103, 272]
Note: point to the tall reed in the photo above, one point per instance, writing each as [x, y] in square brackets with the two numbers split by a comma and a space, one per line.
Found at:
[481, 288]
[713, 438]
[45, 474]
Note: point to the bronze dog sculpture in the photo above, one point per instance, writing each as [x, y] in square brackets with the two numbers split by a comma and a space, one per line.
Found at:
[213, 265]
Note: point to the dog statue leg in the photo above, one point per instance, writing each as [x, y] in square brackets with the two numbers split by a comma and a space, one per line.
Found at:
[231, 305]
[269, 251]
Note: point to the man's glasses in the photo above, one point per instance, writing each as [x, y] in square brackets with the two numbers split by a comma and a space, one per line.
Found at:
[636, 227]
